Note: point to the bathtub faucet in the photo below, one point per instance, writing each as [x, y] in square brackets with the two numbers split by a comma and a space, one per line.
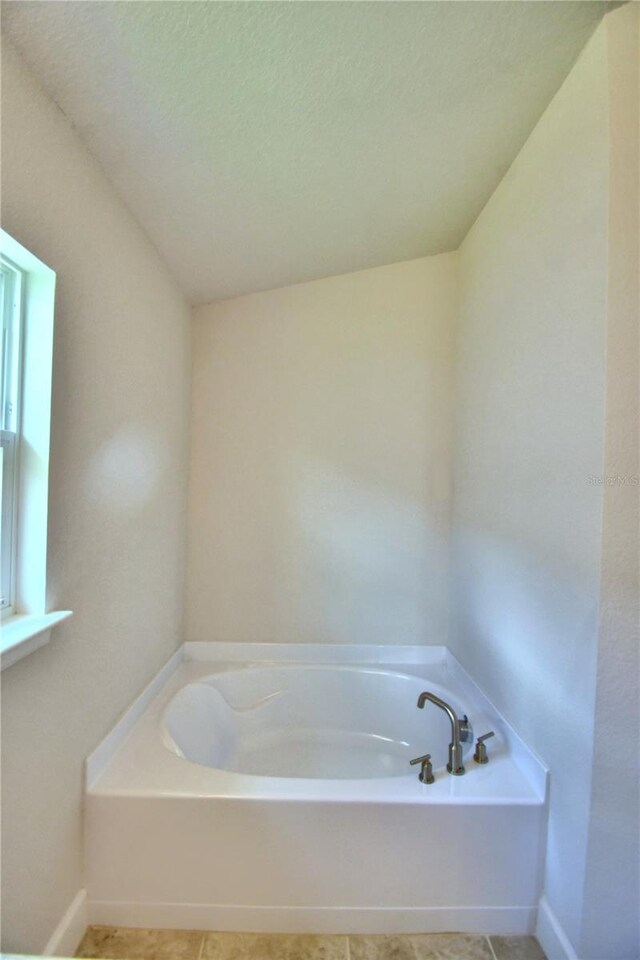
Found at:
[460, 731]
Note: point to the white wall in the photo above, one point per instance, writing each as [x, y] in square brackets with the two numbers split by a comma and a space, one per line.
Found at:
[117, 497]
[320, 501]
[529, 433]
[611, 912]
[528, 567]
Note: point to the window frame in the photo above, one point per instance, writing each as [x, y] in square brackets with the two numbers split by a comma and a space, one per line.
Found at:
[27, 625]
[10, 409]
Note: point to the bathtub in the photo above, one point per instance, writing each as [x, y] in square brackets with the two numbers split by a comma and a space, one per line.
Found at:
[309, 722]
[268, 788]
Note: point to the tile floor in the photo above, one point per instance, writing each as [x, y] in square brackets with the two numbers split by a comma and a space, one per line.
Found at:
[120, 943]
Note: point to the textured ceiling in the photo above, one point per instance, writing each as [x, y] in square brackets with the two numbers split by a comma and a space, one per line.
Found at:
[262, 144]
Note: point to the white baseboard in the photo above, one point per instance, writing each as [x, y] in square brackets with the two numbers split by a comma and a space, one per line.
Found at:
[551, 936]
[65, 939]
[507, 921]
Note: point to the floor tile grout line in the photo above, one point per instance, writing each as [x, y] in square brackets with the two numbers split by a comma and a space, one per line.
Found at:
[348, 947]
[201, 950]
[493, 953]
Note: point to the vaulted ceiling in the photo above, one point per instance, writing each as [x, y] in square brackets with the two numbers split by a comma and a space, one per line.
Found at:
[266, 143]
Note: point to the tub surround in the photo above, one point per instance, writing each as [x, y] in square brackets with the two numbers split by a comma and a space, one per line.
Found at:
[366, 839]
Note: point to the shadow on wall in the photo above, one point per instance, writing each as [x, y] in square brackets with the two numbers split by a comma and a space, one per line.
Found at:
[517, 602]
[517, 608]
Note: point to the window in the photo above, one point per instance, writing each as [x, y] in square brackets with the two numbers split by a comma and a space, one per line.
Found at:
[27, 289]
[11, 284]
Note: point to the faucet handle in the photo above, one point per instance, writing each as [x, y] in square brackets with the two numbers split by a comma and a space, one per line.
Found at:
[426, 768]
[464, 729]
[480, 756]
[427, 756]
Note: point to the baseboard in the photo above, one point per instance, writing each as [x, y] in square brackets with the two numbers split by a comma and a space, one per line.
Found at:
[551, 936]
[506, 921]
[65, 939]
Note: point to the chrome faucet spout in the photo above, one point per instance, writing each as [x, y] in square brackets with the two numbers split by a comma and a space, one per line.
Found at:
[459, 731]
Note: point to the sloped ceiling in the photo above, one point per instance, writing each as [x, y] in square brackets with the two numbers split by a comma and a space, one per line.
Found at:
[267, 143]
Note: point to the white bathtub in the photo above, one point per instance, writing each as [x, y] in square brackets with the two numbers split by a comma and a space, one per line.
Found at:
[268, 787]
[312, 722]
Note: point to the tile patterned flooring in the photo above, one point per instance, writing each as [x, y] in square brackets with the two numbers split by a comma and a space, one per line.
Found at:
[120, 943]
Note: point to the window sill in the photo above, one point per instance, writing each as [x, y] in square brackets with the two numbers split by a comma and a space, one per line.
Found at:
[24, 633]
